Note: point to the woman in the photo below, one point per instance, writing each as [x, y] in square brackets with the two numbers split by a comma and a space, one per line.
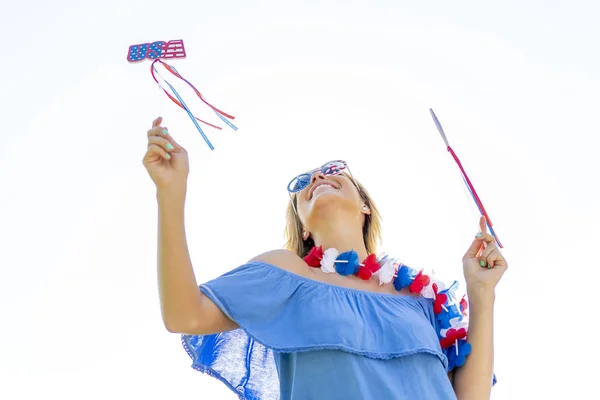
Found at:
[325, 319]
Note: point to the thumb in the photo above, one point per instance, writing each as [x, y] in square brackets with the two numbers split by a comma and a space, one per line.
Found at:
[478, 244]
[156, 122]
[482, 224]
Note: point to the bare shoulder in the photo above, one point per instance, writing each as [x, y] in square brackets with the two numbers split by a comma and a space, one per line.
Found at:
[284, 259]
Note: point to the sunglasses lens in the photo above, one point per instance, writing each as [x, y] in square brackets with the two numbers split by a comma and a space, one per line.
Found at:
[303, 180]
[333, 168]
[299, 183]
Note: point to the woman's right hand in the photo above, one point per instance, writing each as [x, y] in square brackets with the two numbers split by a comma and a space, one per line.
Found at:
[167, 162]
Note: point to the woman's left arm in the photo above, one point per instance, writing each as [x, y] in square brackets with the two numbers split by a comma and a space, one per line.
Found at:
[474, 379]
[483, 266]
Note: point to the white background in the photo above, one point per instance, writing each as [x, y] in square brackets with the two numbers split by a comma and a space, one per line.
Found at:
[515, 86]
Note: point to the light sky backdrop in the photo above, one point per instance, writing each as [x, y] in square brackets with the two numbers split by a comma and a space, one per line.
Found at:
[515, 85]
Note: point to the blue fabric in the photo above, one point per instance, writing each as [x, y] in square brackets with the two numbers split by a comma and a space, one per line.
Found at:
[304, 339]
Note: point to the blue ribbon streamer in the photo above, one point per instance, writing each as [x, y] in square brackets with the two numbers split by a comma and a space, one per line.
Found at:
[188, 112]
[232, 126]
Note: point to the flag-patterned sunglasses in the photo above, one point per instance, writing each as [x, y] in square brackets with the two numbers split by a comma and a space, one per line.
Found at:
[330, 168]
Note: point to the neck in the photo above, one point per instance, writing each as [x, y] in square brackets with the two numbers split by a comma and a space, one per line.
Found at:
[342, 234]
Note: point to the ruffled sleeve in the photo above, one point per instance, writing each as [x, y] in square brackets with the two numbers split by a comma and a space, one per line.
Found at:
[255, 297]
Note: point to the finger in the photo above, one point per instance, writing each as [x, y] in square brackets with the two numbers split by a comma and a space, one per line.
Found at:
[486, 238]
[158, 131]
[484, 257]
[165, 133]
[164, 143]
[156, 122]
[155, 149]
[495, 259]
[482, 240]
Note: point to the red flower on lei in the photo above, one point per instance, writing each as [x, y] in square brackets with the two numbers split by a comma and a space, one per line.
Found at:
[368, 267]
[453, 335]
[314, 257]
[421, 280]
[440, 299]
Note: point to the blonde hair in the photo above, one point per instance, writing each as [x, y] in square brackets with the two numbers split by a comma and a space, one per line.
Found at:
[371, 227]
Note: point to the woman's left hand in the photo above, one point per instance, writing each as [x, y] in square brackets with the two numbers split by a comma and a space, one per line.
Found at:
[483, 263]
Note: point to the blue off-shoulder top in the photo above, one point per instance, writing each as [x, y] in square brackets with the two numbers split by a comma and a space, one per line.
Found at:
[304, 339]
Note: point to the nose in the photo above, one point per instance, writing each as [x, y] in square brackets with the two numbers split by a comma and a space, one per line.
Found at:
[315, 176]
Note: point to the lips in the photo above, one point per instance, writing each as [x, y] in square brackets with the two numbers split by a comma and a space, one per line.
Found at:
[321, 184]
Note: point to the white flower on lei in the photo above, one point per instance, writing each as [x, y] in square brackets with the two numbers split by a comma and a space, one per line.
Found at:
[428, 292]
[455, 323]
[387, 271]
[328, 260]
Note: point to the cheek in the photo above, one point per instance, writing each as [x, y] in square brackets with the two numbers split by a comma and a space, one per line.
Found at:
[302, 209]
[350, 192]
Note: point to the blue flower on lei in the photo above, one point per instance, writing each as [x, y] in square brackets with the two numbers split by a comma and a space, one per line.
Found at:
[350, 263]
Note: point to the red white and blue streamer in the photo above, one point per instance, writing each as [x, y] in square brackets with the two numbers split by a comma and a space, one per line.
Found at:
[466, 179]
[176, 98]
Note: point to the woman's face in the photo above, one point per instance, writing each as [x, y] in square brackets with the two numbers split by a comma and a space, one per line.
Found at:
[325, 195]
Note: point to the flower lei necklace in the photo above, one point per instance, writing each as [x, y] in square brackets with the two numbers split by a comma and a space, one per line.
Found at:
[450, 313]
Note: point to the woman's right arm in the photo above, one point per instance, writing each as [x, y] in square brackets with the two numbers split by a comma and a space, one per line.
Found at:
[185, 309]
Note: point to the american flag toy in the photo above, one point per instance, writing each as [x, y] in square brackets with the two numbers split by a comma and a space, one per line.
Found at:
[173, 49]
[156, 50]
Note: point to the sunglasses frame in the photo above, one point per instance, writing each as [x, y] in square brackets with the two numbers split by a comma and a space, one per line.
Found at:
[309, 174]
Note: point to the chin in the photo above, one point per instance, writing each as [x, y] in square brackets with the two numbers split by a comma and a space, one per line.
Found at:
[327, 202]
[327, 196]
